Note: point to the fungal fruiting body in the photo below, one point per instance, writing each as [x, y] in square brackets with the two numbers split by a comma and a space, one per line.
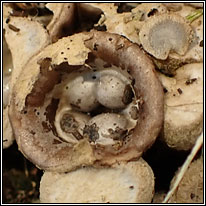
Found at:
[123, 183]
[164, 33]
[183, 119]
[60, 111]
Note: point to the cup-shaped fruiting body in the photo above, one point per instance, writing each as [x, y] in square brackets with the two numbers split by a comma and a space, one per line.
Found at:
[34, 111]
[132, 182]
[183, 119]
[194, 53]
[164, 33]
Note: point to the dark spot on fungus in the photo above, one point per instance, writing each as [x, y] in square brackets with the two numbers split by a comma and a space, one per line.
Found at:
[179, 91]
[7, 20]
[68, 123]
[62, 52]
[5, 140]
[110, 39]
[13, 28]
[165, 90]
[95, 47]
[90, 132]
[152, 12]
[128, 95]
[201, 43]
[190, 81]
[192, 196]
[32, 132]
[118, 133]
[131, 187]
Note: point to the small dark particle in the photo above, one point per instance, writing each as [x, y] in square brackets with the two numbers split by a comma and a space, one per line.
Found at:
[65, 58]
[62, 52]
[179, 91]
[5, 140]
[165, 90]
[94, 77]
[174, 95]
[95, 47]
[131, 187]
[110, 39]
[68, 48]
[38, 113]
[7, 20]
[190, 81]
[67, 87]
[13, 28]
[32, 132]
[192, 196]
[118, 133]
[78, 101]
[152, 12]
[133, 82]
[25, 112]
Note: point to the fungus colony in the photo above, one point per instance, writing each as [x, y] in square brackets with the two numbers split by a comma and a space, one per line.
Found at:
[85, 105]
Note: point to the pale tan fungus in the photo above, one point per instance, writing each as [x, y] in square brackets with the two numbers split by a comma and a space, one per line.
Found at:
[165, 33]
